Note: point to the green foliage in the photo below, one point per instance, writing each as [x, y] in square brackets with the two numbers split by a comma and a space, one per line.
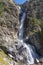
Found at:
[41, 33]
[1, 9]
[34, 22]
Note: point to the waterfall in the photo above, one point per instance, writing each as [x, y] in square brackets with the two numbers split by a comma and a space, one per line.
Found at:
[31, 53]
[21, 28]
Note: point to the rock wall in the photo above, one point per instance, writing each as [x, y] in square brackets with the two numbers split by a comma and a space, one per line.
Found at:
[32, 23]
[9, 22]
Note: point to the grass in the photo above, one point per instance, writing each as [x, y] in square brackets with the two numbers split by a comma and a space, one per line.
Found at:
[2, 61]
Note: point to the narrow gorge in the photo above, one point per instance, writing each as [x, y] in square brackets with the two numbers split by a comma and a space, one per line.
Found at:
[21, 33]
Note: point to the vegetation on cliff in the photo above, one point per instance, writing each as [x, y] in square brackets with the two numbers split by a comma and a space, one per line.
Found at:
[34, 19]
[9, 24]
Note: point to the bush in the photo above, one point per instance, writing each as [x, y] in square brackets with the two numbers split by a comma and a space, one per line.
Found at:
[41, 33]
[34, 22]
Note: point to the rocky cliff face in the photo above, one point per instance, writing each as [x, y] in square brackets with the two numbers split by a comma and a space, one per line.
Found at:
[33, 23]
[9, 22]
[34, 7]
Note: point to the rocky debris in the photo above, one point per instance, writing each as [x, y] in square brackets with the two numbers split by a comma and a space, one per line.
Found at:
[18, 55]
[11, 57]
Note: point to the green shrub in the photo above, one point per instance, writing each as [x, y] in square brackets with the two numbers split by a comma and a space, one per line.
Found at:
[1, 9]
[34, 22]
[41, 33]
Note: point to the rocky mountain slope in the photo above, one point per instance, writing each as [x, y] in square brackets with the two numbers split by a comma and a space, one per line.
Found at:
[34, 23]
[34, 7]
[9, 25]
[9, 22]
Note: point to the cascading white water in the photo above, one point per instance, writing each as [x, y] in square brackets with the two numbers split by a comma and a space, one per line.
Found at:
[31, 52]
[21, 28]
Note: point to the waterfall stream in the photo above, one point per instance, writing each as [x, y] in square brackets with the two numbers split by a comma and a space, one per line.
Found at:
[30, 50]
[21, 28]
